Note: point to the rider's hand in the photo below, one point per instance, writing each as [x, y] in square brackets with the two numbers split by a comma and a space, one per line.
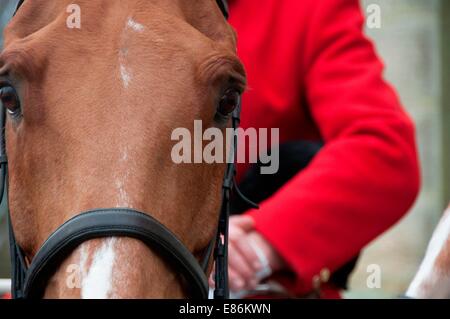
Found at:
[250, 257]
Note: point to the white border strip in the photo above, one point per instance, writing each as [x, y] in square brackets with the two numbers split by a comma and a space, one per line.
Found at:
[5, 286]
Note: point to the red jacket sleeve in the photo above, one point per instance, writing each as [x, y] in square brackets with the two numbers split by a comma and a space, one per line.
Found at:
[366, 177]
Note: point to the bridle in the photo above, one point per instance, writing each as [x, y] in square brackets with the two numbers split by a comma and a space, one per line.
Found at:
[30, 281]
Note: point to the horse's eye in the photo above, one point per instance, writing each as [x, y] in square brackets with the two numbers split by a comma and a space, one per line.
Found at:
[10, 100]
[229, 102]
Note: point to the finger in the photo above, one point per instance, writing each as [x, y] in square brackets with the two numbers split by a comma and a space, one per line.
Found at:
[248, 252]
[235, 232]
[240, 264]
[235, 281]
[245, 222]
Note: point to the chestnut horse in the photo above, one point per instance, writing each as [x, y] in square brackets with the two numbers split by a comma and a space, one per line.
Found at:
[432, 280]
[91, 128]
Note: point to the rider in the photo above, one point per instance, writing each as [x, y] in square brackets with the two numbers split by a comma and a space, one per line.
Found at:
[313, 74]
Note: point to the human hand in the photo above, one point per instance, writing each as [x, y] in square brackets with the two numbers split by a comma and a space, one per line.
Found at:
[251, 258]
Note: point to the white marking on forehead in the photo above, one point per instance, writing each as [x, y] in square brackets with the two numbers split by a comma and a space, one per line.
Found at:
[124, 155]
[429, 274]
[125, 75]
[83, 259]
[97, 284]
[125, 72]
[134, 25]
[124, 199]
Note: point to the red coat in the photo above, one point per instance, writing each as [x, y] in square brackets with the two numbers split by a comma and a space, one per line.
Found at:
[313, 74]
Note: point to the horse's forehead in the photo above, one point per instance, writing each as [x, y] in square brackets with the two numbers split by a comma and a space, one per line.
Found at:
[35, 15]
[44, 32]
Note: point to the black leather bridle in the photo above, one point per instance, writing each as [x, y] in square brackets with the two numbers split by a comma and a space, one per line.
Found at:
[30, 281]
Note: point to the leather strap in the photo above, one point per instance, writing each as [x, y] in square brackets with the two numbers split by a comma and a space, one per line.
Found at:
[19, 4]
[223, 5]
[112, 223]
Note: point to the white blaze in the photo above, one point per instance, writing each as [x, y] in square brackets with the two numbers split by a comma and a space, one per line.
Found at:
[123, 200]
[97, 284]
[134, 25]
[121, 180]
[125, 72]
[125, 75]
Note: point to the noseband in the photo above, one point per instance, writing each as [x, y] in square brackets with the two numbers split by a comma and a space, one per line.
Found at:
[30, 282]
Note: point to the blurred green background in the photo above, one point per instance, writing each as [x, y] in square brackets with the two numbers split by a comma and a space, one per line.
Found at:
[414, 42]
